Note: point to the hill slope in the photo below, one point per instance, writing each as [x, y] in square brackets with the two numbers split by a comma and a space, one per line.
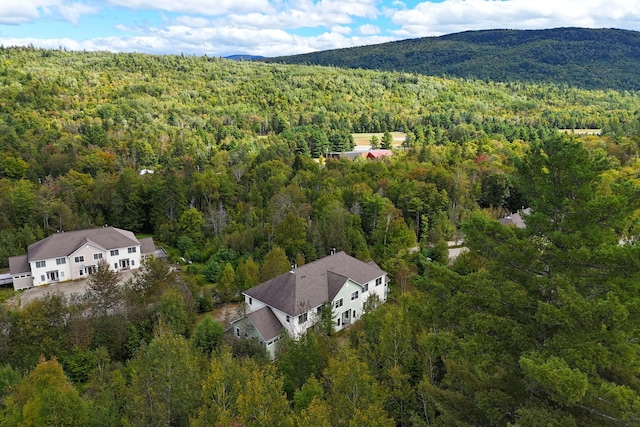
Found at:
[588, 58]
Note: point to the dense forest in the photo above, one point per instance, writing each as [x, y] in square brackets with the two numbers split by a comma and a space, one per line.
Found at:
[580, 57]
[532, 326]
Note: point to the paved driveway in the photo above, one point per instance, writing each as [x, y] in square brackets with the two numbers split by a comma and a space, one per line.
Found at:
[67, 289]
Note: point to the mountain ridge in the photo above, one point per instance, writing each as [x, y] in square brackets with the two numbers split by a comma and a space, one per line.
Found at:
[581, 57]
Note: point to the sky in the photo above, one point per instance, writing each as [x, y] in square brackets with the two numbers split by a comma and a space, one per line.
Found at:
[282, 27]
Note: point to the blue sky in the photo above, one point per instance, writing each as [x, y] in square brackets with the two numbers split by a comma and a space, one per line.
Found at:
[282, 27]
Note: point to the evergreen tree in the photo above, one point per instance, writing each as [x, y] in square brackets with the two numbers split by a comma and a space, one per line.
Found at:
[542, 330]
[103, 290]
[374, 142]
[208, 335]
[387, 141]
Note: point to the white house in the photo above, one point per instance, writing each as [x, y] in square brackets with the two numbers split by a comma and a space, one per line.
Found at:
[293, 301]
[516, 219]
[75, 255]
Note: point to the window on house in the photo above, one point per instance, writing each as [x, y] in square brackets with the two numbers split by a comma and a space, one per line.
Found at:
[302, 318]
[115, 265]
[62, 274]
[379, 281]
[80, 272]
[97, 256]
[133, 263]
[287, 318]
[354, 295]
[42, 278]
[319, 309]
[354, 314]
[79, 258]
[40, 264]
[339, 303]
[132, 250]
[366, 288]
[115, 252]
[250, 300]
[61, 261]
[238, 332]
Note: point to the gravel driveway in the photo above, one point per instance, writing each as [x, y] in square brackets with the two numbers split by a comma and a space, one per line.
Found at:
[67, 289]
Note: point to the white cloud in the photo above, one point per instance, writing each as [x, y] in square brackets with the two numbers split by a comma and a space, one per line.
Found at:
[74, 12]
[129, 29]
[13, 12]
[341, 29]
[268, 27]
[306, 14]
[192, 21]
[450, 16]
[214, 41]
[280, 14]
[369, 29]
[202, 7]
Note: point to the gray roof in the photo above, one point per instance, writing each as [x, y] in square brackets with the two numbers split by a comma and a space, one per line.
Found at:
[516, 219]
[313, 284]
[64, 244]
[147, 246]
[19, 264]
[266, 323]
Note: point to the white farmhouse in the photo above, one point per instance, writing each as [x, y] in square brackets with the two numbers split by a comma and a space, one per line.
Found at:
[293, 301]
[75, 255]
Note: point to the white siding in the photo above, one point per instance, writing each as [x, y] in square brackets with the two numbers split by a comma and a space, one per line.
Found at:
[380, 290]
[354, 308]
[22, 281]
[290, 325]
[253, 304]
[123, 260]
[348, 305]
[85, 260]
[42, 275]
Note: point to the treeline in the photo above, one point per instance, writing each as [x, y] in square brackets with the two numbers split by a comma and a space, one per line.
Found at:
[533, 326]
[578, 57]
[78, 127]
[236, 197]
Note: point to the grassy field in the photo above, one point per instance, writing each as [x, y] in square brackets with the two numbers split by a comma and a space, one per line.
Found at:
[582, 131]
[364, 138]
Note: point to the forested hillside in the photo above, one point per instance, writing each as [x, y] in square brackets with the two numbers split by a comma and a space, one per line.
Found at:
[580, 57]
[534, 326]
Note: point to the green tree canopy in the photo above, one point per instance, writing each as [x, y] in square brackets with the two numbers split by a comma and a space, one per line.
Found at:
[46, 398]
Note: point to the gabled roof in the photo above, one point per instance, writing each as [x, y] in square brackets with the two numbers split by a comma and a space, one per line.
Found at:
[516, 219]
[19, 265]
[313, 284]
[86, 242]
[64, 244]
[147, 246]
[377, 154]
[266, 323]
